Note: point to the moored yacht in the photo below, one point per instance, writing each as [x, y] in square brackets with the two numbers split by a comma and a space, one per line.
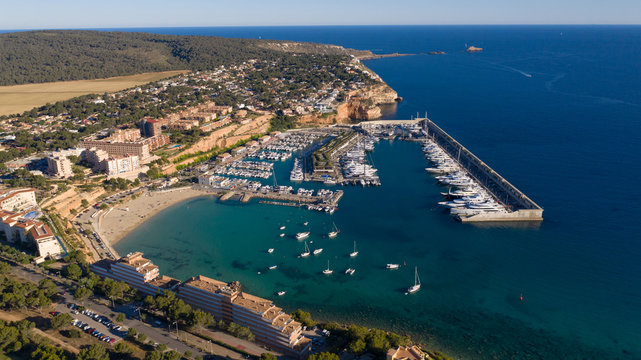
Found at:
[355, 252]
[318, 251]
[417, 283]
[302, 235]
[306, 252]
[332, 234]
[328, 271]
[270, 250]
[350, 271]
[393, 266]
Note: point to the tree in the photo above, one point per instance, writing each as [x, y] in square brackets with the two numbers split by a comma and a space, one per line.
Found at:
[122, 349]
[188, 354]
[303, 317]
[171, 355]
[323, 356]
[161, 347]
[154, 355]
[131, 333]
[267, 356]
[142, 337]
[120, 317]
[81, 294]
[61, 320]
[357, 347]
[377, 341]
[73, 271]
[356, 332]
[84, 203]
[197, 319]
[93, 352]
[4, 268]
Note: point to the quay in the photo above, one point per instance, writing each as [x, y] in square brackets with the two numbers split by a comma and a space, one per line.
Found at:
[283, 198]
[519, 207]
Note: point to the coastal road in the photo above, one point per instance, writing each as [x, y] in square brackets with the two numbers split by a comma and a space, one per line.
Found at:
[157, 333]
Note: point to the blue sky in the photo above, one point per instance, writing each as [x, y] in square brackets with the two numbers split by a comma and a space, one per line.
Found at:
[47, 14]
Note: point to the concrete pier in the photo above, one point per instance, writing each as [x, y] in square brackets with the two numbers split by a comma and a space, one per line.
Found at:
[519, 206]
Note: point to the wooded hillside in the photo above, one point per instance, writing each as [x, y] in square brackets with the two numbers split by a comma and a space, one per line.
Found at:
[58, 55]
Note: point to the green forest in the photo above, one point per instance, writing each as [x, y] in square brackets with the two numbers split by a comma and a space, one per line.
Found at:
[58, 55]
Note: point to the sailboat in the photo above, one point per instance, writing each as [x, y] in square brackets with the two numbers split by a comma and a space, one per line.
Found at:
[355, 252]
[332, 234]
[328, 271]
[417, 283]
[306, 252]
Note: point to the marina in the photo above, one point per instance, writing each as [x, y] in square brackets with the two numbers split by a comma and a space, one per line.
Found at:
[481, 194]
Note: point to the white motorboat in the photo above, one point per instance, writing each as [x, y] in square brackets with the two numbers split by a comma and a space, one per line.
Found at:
[355, 252]
[302, 235]
[393, 266]
[417, 283]
[273, 267]
[306, 252]
[306, 223]
[318, 251]
[282, 234]
[282, 227]
[270, 250]
[281, 293]
[328, 271]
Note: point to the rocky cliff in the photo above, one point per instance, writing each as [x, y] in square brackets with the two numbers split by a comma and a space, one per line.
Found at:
[362, 105]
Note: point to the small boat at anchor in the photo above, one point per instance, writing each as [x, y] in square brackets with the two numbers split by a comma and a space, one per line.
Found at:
[393, 266]
[281, 293]
[282, 234]
[417, 283]
[350, 271]
[332, 234]
[328, 271]
[355, 252]
[302, 235]
[270, 250]
[273, 267]
[306, 252]
[282, 227]
[318, 251]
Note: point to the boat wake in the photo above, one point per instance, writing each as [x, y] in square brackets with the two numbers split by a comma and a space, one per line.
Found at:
[511, 69]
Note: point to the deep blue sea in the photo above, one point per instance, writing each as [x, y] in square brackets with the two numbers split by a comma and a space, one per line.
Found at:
[555, 109]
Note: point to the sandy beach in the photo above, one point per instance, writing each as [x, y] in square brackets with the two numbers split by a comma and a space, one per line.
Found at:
[114, 224]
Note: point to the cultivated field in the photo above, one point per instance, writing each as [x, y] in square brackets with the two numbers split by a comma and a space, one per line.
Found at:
[18, 98]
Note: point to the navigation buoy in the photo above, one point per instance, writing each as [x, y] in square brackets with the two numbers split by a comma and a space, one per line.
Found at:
[521, 297]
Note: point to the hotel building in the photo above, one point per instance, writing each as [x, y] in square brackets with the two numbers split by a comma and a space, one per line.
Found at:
[136, 271]
[405, 353]
[17, 228]
[225, 301]
[228, 302]
[114, 148]
[18, 199]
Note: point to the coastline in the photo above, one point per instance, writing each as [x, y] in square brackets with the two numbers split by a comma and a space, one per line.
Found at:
[114, 225]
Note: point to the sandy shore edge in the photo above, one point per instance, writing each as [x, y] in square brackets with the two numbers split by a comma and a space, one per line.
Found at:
[113, 225]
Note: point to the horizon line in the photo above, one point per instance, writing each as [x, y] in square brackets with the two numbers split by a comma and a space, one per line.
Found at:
[294, 25]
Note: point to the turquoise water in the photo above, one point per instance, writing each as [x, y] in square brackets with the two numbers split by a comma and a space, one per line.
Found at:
[569, 137]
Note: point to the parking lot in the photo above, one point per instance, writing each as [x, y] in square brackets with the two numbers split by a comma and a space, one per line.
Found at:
[96, 325]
